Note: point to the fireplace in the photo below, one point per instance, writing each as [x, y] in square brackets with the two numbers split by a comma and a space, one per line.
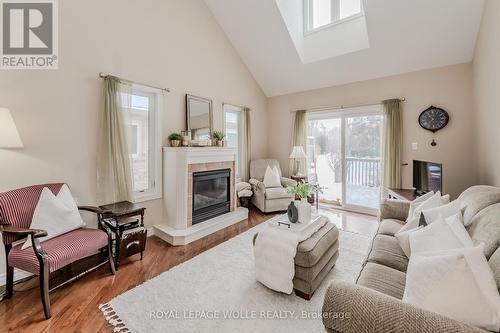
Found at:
[211, 194]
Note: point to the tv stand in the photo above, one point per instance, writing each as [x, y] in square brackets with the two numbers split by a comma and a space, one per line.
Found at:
[402, 194]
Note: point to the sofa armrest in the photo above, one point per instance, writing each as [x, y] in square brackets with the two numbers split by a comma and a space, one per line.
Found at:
[257, 185]
[288, 182]
[350, 308]
[394, 209]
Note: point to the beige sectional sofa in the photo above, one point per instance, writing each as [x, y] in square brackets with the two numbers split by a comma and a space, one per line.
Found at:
[374, 303]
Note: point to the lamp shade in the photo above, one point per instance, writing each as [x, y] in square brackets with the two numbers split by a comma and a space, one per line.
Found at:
[298, 152]
[9, 136]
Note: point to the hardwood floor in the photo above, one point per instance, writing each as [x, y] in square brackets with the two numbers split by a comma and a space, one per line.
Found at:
[75, 306]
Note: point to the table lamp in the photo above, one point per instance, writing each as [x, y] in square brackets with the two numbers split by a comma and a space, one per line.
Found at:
[297, 154]
[9, 136]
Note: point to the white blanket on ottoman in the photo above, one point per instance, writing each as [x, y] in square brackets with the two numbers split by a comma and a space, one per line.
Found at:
[275, 249]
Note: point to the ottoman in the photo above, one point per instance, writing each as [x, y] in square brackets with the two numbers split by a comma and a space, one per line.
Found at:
[315, 257]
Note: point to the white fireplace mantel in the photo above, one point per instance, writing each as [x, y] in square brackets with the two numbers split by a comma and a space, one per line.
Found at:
[178, 164]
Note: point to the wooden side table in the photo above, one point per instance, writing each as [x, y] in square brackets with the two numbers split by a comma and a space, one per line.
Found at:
[126, 217]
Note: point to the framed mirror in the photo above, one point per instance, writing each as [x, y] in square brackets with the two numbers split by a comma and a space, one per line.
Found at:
[199, 117]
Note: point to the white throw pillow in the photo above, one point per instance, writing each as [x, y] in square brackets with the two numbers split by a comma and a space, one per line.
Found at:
[272, 177]
[56, 215]
[440, 235]
[417, 202]
[435, 201]
[410, 224]
[444, 211]
[403, 238]
[458, 284]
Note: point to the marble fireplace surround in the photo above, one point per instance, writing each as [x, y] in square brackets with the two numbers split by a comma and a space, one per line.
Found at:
[179, 164]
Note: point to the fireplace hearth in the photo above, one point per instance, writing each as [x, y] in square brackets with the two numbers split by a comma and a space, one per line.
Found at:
[211, 194]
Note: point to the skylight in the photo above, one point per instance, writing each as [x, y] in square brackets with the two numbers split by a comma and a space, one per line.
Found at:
[322, 29]
[321, 13]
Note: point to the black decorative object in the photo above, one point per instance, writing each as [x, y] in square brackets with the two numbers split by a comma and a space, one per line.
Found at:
[421, 221]
[293, 213]
[433, 119]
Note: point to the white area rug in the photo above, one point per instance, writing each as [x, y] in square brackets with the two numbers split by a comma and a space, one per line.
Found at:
[200, 294]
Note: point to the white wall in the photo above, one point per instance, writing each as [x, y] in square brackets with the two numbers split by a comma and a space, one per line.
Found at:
[486, 69]
[168, 43]
[446, 87]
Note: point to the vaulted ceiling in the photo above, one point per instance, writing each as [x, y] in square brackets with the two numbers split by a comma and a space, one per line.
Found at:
[404, 36]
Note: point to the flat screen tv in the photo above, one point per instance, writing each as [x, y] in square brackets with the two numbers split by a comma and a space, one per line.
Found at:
[427, 176]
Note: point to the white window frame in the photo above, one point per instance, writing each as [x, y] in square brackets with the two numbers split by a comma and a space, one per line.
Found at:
[231, 108]
[155, 190]
[139, 139]
[335, 7]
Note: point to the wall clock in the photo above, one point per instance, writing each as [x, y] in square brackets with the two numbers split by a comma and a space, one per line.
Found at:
[433, 119]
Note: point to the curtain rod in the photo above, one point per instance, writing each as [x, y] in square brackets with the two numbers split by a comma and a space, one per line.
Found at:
[103, 75]
[337, 107]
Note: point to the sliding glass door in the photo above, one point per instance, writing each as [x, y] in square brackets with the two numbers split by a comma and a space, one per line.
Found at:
[344, 151]
[325, 157]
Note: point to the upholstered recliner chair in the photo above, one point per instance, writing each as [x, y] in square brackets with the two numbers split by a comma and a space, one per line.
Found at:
[271, 199]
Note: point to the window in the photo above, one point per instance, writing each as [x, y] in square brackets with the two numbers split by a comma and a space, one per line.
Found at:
[142, 106]
[233, 129]
[321, 13]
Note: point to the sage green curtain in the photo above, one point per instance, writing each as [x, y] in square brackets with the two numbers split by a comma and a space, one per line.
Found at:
[114, 177]
[393, 137]
[299, 139]
[246, 148]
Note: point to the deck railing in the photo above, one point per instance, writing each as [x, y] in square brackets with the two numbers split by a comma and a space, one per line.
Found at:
[363, 171]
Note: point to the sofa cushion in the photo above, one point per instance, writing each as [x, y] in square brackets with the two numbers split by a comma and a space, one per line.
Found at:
[390, 227]
[277, 193]
[386, 251]
[384, 279]
[61, 250]
[476, 198]
[485, 228]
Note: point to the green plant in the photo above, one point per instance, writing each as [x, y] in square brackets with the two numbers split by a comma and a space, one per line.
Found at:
[301, 190]
[175, 136]
[218, 135]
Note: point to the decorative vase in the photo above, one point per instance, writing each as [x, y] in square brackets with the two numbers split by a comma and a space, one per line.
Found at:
[175, 143]
[220, 143]
[293, 213]
[304, 210]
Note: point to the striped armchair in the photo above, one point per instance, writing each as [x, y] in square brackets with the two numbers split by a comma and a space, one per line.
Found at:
[16, 212]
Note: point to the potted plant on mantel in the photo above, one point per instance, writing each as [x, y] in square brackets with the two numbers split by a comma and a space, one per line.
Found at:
[219, 136]
[301, 192]
[175, 139]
